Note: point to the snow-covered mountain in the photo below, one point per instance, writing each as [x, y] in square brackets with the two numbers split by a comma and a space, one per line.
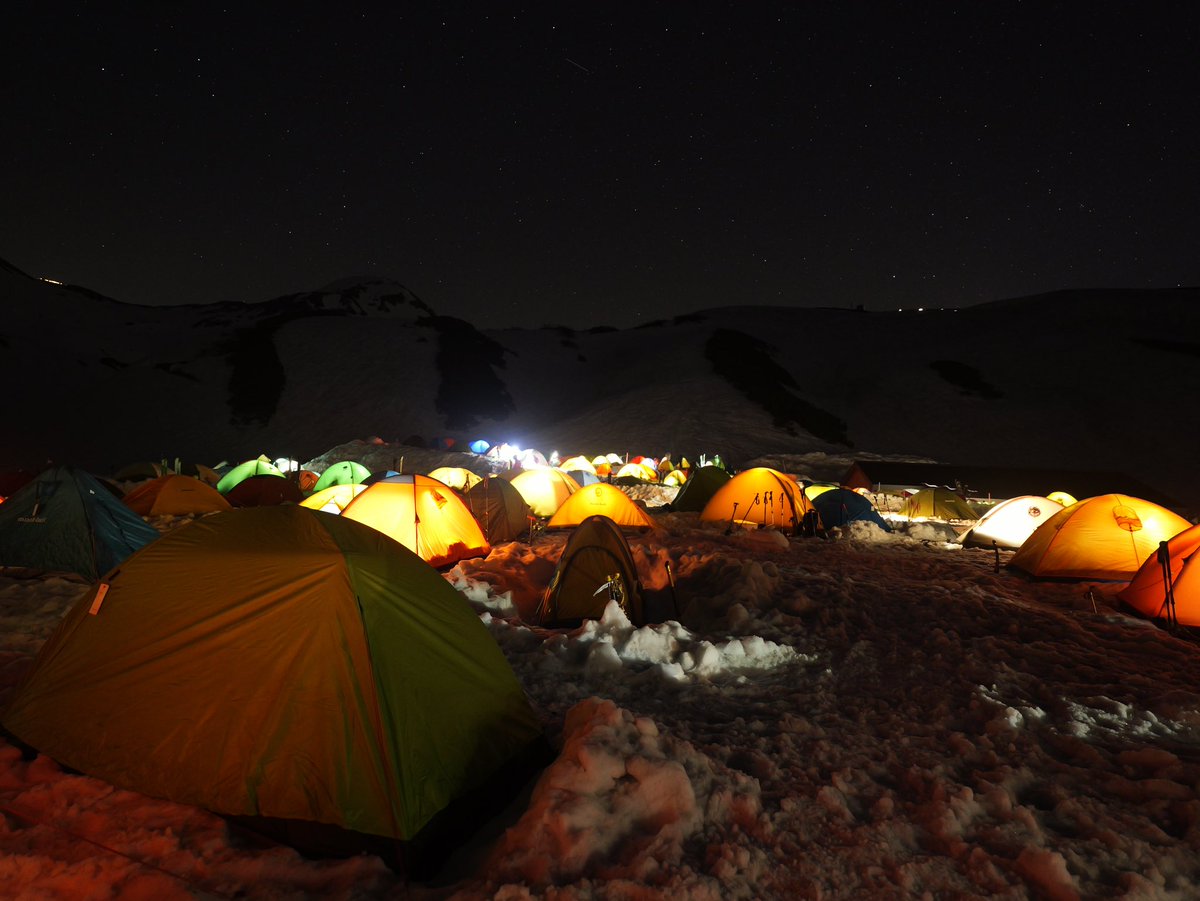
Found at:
[1097, 380]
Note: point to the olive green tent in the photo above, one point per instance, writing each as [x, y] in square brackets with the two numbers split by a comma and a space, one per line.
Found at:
[279, 662]
[596, 566]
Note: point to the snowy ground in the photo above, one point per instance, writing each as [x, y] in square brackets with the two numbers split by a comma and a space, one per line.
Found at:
[877, 716]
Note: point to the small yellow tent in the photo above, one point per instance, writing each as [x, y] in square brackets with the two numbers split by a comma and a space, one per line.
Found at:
[334, 498]
[937, 503]
[1105, 538]
[1147, 592]
[545, 489]
[761, 497]
[637, 471]
[601, 499]
[423, 515]
[1062, 498]
[577, 464]
[456, 477]
[173, 495]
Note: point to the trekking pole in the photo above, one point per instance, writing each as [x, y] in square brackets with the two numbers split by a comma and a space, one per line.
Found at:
[671, 583]
[1164, 561]
[996, 551]
[729, 528]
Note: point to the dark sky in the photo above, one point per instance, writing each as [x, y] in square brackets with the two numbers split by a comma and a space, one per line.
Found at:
[587, 164]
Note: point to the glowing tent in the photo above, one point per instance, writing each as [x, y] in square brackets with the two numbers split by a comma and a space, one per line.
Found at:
[639, 471]
[1010, 523]
[544, 489]
[243, 471]
[423, 515]
[596, 566]
[65, 520]
[758, 497]
[499, 509]
[601, 499]
[456, 477]
[937, 503]
[173, 495]
[334, 498]
[345, 472]
[1147, 592]
[1105, 538]
[1062, 498]
[577, 464]
[279, 663]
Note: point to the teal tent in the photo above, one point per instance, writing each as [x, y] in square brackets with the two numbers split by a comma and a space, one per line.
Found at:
[65, 520]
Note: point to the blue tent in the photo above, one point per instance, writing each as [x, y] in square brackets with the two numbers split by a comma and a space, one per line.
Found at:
[839, 506]
[479, 446]
[65, 520]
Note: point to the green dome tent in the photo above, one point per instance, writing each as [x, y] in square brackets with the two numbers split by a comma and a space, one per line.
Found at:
[347, 472]
[699, 488]
[258, 467]
[279, 662]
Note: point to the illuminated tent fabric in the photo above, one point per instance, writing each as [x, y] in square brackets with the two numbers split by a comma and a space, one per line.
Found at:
[544, 489]
[1105, 538]
[334, 498]
[174, 495]
[264, 490]
[601, 499]
[937, 503]
[577, 464]
[279, 662]
[456, 477]
[674, 478]
[1062, 498]
[699, 488]
[65, 520]
[583, 477]
[839, 507]
[243, 471]
[583, 582]
[1146, 592]
[639, 471]
[479, 446]
[499, 509]
[423, 515]
[379, 476]
[345, 472]
[1010, 523]
[813, 489]
[760, 496]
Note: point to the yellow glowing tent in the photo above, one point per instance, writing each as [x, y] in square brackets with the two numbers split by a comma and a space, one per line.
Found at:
[601, 499]
[1061, 498]
[761, 497]
[577, 464]
[1105, 538]
[334, 498]
[173, 495]
[282, 663]
[545, 489]
[1147, 592]
[937, 503]
[637, 471]
[456, 477]
[423, 515]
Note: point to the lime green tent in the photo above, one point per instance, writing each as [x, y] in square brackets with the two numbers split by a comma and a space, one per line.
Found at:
[258, 467]
[347, 472]
[279, 662]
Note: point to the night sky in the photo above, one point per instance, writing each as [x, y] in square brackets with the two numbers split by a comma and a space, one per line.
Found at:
[587, 164]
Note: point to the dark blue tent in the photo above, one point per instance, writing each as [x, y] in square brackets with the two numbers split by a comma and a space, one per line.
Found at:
[65, 520]
[839, 506]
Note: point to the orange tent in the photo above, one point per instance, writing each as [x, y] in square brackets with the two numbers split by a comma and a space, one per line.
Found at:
[1147, 594]
[423, 515]
[758, 497]
[545, 489]
[1105, 537]
[173, 495]
[603, 499]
